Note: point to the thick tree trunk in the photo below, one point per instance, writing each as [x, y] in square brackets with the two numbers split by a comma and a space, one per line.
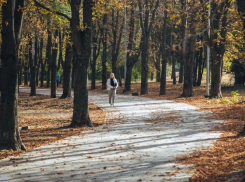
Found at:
[33, 66]
[216, 80]
[217, 49]
[54, 67]
[82, 45]
[9, 130]
[67, 72]
[188, 73]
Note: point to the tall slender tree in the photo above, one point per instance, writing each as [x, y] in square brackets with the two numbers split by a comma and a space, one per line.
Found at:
[54, 65]
[147, 13]
[104, 54]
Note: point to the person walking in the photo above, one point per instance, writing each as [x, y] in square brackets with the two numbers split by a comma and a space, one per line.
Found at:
[57, 79]
[112, 88]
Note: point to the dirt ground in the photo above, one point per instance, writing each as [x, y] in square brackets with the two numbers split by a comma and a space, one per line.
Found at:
[49, 120]
[226, 160]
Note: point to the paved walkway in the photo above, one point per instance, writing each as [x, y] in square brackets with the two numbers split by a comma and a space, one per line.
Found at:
[141, 141]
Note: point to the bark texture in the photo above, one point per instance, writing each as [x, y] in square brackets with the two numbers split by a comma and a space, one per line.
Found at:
[9, 130]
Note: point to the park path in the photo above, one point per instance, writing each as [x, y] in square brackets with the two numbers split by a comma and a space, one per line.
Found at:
[140, 142]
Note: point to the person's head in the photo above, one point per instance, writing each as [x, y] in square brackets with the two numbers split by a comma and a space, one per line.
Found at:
[112, 75]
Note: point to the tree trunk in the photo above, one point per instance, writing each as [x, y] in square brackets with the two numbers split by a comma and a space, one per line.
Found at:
[33, 66]
[173, 69]
[188, 67]
[132, 59]
[128, 78]
[93, 63]
[195, 69]
[93, 74]
[158, 69]
[42, 64]
[200, 68]
[67, 72]
[26, 75]
[120, 77]
[104, 56]
[60, 51]
[146, 23]
[183, 37]
[116, 40]
[20, 73]
[54, 67]
[216, 79]
[96, 53]
[163, 76]
[82, 45]
[144, 67]
[9, 129]
[181, 70]
[48, 56]
[217, 49]
[164, 56]
[38, 63]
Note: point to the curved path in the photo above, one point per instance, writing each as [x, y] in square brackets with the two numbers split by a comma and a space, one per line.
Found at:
[140, 142]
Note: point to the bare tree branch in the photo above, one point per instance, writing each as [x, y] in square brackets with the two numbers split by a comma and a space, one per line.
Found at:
[53, 11]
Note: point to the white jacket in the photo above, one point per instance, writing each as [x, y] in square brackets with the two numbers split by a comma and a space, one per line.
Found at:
[109, 87]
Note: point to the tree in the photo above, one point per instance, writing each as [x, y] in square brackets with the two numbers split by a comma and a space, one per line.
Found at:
[164, 55]
[67, 70]
[33, 65]
[241, 9]
[96, 52]
[54, 66]
[217, 44]
[12, 13]
[81, 39]
[104, 54]
[133, 52]
[147, 16]
[116, 41]
[82, 44]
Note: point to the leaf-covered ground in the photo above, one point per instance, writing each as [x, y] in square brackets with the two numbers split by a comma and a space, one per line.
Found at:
[226, 159]
[49, 120]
